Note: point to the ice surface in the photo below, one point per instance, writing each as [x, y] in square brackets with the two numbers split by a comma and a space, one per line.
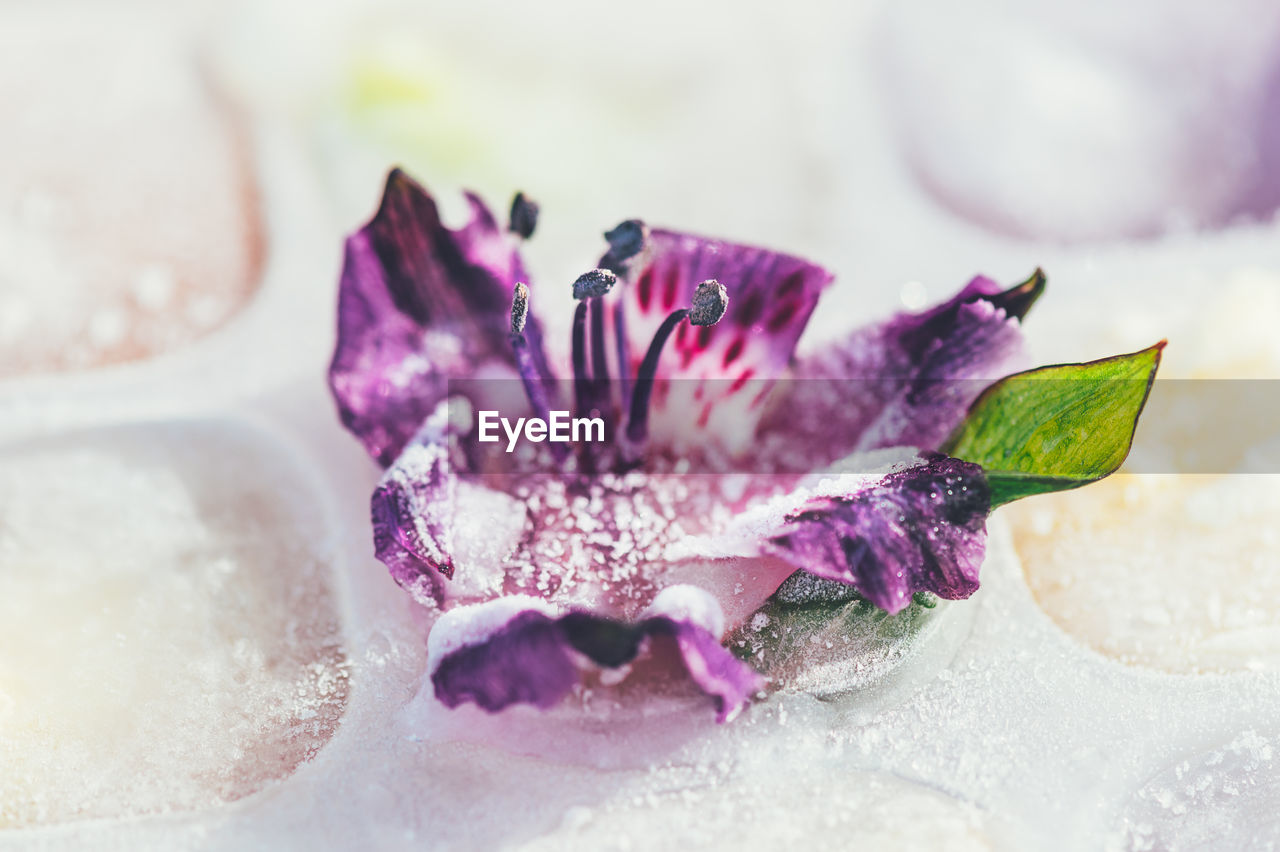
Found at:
[169, 637]
[849, 810]
[129, 219]
[1227, 798]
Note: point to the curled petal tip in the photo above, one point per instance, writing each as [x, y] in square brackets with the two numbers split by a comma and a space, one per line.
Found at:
[1017, 301]
[518, 650]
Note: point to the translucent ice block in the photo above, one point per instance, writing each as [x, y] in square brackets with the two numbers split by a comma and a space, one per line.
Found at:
[1176, 572]
[1178, 568]
[168, 638]
[128, 217]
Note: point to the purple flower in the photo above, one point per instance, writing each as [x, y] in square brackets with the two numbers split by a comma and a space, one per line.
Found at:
[561, 562]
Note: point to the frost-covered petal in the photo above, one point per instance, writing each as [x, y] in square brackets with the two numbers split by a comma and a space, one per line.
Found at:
[907, 381]
[443, 537]
[694, 619]
[918, 526]
[419, 304]
[503, 652]
[724, 370]
[406, 507]
[521, 650]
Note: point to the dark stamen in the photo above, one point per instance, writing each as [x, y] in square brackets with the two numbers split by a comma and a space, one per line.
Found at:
[524, 216]
[519, 309]
[599, 354]
[625, 242]
[624, 351]
[710, 301]
[638, 421]
[534, 388]
[590, 388]
[581, 378]
[592, 284]
[709, 304]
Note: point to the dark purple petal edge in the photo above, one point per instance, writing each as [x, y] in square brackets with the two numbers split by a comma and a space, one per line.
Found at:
[419, 304]
[408, 529]
[919, 529]
[533, 658]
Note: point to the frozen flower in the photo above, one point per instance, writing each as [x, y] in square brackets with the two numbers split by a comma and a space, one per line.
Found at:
[561, 562]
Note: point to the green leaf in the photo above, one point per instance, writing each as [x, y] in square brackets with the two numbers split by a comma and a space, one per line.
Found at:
[832, 647]
[1056, 428]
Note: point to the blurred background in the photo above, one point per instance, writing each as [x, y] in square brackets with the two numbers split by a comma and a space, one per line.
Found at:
[1133, 153]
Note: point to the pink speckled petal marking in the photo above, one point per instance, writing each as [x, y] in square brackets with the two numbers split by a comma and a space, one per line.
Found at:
[910, 380]
[520, 650]
[419, 304]
[727, 369]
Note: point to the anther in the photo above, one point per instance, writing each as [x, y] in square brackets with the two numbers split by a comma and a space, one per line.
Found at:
[710, 301]
[524, 216]
[592, 284]
[626, 241]
[519, 309]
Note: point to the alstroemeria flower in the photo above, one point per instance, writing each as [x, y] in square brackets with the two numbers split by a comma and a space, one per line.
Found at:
[575, 562]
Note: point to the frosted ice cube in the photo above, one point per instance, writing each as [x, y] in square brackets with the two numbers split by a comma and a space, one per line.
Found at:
[1176, 572]
[1227, 798]
[830, 649]
[168, 630]
[128, 223]
[1179, 571]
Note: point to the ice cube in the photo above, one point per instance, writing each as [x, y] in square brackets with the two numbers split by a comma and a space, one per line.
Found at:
[169, 635]
[1175, 572]
[128, 219]
[1226, 798]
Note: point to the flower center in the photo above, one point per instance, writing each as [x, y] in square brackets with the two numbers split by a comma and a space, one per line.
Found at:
[593, 387]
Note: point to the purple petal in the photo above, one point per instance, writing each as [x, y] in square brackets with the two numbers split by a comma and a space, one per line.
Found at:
[444, 537]
[920, 526]
[771, 297]
[419, 304]
[518, 649]
[694, 619]
[908, 381]
[921, 529]
[524, 659]
[408, 521]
